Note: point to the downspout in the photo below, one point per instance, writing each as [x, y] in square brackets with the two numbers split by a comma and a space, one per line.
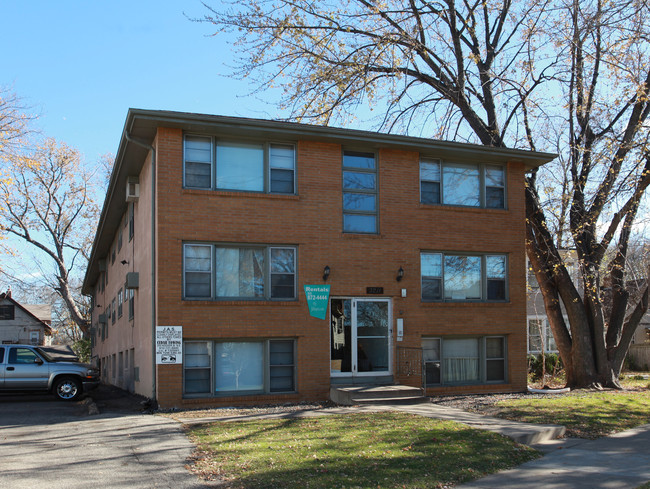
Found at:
[153, 257]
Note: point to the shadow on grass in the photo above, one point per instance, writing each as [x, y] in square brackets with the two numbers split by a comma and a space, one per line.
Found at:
[585, 414]
[360, 450]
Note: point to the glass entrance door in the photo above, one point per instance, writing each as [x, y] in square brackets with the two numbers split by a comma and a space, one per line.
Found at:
[360, 337]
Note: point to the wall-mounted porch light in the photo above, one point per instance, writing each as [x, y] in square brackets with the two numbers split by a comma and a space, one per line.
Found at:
[400, 274]
[326, 273]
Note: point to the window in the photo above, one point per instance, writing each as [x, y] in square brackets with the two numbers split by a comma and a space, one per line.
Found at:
[113, 311]
[113, 256]
[359, 193]
[239, 367]
[2, 354]
[431, 358]
[496, 277]
[462, 184]
[457, 277]
[540, 335]
[22, 355]
[212, 163]
[282, 168]
[130, 293]
[464, 360]
[120, 235]
[244, 272]
[120, 303]
[430, 182]
[7, 312]
[495, 187]
[495, 359]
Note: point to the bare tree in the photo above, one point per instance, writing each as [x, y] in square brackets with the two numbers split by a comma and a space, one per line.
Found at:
[47, 203]
[565, 74]
[15, 122]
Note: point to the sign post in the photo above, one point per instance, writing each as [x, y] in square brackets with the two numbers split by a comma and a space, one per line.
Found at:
[317, 299]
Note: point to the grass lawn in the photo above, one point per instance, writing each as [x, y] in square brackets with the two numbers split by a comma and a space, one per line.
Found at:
[369, 450]
[585, 413]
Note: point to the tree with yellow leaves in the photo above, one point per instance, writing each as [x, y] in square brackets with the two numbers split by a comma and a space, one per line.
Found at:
[46, 202]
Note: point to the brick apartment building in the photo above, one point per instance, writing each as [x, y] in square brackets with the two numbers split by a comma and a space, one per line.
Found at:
[213, 225]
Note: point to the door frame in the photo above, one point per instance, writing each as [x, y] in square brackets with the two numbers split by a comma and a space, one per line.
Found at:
[353, 326]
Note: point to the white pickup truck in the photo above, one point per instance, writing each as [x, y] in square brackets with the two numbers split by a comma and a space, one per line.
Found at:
[30, 368]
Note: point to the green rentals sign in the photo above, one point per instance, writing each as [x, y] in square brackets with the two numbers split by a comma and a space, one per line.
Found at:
[317, 298]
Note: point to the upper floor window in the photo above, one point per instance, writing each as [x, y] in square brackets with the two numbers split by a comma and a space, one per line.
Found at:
[540, 336]
[456, 277]
[359, 192]
[120, 303]
[240, 272]
[232, 165]
[463, 184]
[7, 312]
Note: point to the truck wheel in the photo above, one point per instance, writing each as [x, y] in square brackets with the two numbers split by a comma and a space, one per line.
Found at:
[67, 388]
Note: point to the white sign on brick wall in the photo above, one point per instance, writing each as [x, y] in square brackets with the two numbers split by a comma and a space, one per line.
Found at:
[169, 344]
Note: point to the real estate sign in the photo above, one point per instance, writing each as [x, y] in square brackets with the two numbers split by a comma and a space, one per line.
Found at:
[317, 299]
[169, 344]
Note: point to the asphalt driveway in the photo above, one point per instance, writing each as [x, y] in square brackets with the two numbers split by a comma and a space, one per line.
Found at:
[46, 443]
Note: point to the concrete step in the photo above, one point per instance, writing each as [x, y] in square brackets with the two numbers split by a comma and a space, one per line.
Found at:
[375, 394]
[391, 401]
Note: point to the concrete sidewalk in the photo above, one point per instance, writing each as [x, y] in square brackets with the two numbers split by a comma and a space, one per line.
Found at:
[618, 461]
[520, 432]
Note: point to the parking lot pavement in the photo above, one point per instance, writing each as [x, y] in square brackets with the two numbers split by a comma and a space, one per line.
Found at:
[46, 443]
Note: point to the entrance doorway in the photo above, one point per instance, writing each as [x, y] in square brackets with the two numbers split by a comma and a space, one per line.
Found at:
[360, 337]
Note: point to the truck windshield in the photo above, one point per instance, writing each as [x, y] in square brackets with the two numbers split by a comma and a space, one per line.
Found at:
[44, 355]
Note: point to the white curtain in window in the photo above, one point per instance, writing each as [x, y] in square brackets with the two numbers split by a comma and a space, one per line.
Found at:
[461, 360]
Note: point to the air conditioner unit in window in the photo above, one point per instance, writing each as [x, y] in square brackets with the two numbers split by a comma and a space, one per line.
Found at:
[132, 189]
[132, 280]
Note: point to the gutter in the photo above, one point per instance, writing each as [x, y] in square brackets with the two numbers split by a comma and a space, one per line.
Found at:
[153, 256]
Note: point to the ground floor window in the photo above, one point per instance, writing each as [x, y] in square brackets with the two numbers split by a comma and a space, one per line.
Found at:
[238, 367]
[464, 360]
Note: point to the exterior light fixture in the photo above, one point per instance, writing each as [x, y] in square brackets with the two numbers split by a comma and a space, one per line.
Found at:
[124, 262]
[400, 274]
[326, 273]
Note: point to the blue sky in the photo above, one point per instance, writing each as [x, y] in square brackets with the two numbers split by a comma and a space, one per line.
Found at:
[82, 64]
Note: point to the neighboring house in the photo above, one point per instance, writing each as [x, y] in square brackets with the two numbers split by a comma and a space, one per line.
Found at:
[213, 226]
[642, 334]
[539, 331]
[24, 323]
[540, 335]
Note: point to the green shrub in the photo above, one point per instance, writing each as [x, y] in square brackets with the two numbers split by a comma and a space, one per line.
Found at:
[553, 365]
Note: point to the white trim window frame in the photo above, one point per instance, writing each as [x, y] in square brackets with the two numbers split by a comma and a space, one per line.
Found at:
[481, 185]
[224, 367]
[453, 369]
[463, 277]
[225, 271]
[268, 166]
[120, 303]
[545, 332]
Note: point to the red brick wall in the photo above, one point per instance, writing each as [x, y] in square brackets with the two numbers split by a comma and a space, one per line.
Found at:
[312, 220]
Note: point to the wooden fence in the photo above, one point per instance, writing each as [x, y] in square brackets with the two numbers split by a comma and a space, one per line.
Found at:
[640, 356]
